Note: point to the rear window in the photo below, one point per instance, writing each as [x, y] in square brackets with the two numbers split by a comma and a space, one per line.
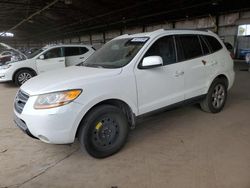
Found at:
[214, 44]
[188, 47]
[228, 46]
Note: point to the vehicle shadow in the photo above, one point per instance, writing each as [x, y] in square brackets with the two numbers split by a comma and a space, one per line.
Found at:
[8, 85]
[165, 121]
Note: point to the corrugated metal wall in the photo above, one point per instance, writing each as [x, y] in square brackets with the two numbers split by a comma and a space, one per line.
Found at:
[227, 30]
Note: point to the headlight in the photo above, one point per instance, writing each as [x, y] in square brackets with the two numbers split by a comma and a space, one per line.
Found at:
[5, 66]
[56, 99]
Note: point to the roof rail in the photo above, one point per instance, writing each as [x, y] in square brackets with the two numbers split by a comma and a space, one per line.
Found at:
[159, 30]
[205, 30]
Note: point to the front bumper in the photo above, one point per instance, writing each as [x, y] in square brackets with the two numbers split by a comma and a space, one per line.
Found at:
[5, 76]
[55, 126]
[22, 125]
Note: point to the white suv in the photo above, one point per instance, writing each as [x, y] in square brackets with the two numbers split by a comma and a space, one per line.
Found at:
[130, 76]
[45, 59]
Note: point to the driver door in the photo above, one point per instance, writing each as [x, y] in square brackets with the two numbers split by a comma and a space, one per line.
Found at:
[160, 86]
[51, 60]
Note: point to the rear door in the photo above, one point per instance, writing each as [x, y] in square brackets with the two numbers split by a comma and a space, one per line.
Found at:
[53, 59]
[190, 51]
[72, 55]
[76, 54]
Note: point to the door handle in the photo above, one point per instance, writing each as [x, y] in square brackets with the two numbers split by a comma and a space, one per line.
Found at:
[179, 73]
[81, 58]
[61, 60]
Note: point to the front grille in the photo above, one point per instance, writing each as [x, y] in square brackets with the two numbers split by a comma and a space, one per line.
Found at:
[20, 101]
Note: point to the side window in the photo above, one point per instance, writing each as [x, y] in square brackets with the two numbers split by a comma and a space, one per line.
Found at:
[53, 53]
[188, 47]
[83, 50]
[71, 51]
[204, 45]
[214, 43]
[165, 48]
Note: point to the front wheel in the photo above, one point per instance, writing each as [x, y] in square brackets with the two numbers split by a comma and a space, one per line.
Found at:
[216, 97]
[104, 131]
[22, 76]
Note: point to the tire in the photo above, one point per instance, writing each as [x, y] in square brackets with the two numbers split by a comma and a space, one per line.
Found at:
[216, 97]
[22, 76]
[104, 131]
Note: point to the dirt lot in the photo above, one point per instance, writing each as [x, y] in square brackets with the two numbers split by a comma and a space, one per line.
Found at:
[182, 148]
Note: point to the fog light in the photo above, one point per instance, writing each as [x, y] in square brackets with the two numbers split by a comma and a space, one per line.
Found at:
[43, 138]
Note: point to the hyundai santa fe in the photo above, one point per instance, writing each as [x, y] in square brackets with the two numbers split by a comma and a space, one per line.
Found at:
[130, 76]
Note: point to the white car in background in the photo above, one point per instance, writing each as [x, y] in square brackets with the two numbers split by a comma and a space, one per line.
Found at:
[7, 54]
[43, 60]
[129, 77]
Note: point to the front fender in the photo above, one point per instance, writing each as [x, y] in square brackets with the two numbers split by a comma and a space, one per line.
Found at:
[89, 105]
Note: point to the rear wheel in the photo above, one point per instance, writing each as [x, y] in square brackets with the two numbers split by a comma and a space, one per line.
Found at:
[104, 131]
[22, 76]
[216, 97]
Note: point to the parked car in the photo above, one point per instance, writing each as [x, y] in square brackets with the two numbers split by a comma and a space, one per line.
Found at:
[243, 53]
[43, 60]
[7, 54]
[230, 48]
[129, 77]
[31, 51]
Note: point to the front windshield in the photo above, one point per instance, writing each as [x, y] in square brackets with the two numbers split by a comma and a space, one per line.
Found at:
[35, 53]
[116, 53]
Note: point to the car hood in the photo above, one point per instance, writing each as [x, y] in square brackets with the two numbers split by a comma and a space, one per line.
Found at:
[67, 78]
[14, 62]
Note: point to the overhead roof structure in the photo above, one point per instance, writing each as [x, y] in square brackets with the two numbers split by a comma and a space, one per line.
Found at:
[54, 19]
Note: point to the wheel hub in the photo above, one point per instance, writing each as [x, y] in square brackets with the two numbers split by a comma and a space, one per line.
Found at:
[218, 96]
[105, 132]
[24, 77]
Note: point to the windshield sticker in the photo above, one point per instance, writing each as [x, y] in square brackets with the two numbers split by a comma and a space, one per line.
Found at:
[139, 39]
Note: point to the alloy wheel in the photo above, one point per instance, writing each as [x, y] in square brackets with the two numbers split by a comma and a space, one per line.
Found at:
[23, 77]
[218, 96]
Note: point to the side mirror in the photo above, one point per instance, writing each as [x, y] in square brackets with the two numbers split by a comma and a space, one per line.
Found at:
[151, 62]
[41, 57]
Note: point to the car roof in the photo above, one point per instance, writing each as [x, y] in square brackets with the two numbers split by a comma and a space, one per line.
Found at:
[167, 31]
[67, 45]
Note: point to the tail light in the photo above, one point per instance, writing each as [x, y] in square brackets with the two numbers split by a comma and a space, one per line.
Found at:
[232, 55]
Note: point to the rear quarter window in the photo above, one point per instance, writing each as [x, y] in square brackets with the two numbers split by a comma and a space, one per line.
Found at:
[204, 45]
[83, 50]
[214, 44]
